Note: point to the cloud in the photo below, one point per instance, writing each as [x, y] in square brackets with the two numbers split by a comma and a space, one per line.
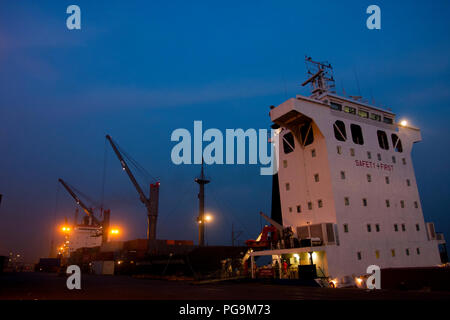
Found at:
[117, 98]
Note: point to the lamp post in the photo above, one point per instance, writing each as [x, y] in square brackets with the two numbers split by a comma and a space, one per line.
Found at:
[64, 249]
[207, 219]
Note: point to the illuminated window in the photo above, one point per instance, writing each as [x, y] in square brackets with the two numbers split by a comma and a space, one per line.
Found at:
[363, 113]
[357, 134]
[339, 149]
[288, 143]
[346, 201]
[397, 143]
[377, 254]
[352, 152]
[375, 117]
[284, 163]
[350, 110]
[393, 252]
[339, 131]
[320, 203]
[382, 140]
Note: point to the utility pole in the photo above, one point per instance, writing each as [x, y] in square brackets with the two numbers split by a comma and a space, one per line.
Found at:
[201, 207]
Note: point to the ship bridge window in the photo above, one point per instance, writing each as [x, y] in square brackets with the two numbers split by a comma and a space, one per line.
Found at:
[306, 132]
[339, 131]
[363, 113]
[375, 117]
[397, 143]
[382, 140]
[388, 120]
[336, 106]
[350, 110]
[288, 143]
[357, 135]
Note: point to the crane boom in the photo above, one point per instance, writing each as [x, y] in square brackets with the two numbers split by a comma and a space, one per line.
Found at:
[86, 209]
[151, 203]
[272, 222]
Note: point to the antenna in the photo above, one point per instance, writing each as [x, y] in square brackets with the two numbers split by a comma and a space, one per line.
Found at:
[320, 77]
[357, 82]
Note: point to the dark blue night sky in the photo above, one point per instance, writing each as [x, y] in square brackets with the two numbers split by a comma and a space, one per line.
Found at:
[139, 70]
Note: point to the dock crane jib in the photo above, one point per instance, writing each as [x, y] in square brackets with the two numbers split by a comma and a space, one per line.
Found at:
[102, 225]
[86, 209]
[151, 202]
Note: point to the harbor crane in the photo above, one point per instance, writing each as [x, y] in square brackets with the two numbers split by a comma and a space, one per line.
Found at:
[102, 225]
[151, 202]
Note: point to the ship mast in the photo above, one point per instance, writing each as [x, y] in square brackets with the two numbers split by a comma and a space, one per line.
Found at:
[320, 77]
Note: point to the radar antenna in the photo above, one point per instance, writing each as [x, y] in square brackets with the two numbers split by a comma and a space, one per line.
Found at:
[320, 77]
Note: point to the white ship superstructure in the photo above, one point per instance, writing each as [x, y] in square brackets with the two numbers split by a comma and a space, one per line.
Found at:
[347, 186]
[84, 236]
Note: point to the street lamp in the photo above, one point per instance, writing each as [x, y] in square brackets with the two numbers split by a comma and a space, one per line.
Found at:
[64, 249]
[207, 218]
[114, 232]
[65, 229]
